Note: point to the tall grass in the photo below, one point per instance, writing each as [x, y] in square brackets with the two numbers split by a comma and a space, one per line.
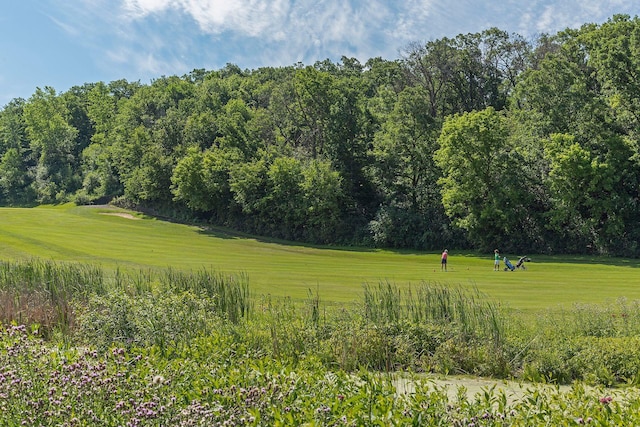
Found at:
[611, 319]
[45, 292]
[42, 292]
[231, 292]
[59, 280]
[430, 327]
[468, 311]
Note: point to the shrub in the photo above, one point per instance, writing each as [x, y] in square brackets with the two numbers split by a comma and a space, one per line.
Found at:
[549, 361]
[608, 361]
[164, 319]
[211, 383]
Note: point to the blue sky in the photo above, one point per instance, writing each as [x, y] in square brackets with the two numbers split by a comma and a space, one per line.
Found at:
[62, 43]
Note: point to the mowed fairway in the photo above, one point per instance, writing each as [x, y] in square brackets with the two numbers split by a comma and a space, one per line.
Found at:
[114, 238]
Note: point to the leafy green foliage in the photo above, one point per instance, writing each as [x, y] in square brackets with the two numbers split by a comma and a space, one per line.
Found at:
[160, 353]
[455, 143]
[479, 173]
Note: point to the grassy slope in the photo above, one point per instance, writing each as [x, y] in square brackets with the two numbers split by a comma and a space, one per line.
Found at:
[85, 234]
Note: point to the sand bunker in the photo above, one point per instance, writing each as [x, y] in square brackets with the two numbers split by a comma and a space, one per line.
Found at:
[120, 214]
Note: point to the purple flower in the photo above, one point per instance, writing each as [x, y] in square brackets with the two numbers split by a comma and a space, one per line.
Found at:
[606, 400]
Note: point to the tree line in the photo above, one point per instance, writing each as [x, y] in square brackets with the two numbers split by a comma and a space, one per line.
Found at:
[479, 141]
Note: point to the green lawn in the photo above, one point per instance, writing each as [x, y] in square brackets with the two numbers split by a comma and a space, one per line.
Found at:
[95, 235]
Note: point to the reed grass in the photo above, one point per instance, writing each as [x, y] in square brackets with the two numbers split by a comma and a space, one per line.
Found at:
[231, 292]
[44, 292]
[470, 311]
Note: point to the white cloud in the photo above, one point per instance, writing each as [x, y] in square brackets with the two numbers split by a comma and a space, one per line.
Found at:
[413, 15]
[67, 28]
[548, 16]
[296, 28]
[174, 36]
[141, 8]
[143, 39]
[250, 17]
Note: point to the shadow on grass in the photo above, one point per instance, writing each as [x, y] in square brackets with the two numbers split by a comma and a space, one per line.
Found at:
[592, 260]
[231, 234]
[540, 258]
[560, 259]
[223, 233]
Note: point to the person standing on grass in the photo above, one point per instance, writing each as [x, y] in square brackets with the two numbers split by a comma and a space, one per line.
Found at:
[496, 260]
[443, 260]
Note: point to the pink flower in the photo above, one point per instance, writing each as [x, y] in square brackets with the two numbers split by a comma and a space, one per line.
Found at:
[606, 400]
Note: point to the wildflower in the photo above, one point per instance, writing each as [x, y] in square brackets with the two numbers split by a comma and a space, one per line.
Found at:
[606, 400]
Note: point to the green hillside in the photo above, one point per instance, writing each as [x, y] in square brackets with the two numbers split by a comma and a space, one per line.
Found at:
[115, 238]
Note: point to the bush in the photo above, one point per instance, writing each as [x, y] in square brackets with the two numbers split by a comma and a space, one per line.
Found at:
[165, 320]
[608, 361]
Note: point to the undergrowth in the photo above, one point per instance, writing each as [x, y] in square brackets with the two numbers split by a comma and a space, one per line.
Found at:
[428, 328]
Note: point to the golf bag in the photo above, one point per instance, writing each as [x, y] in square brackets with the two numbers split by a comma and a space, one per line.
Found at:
[521, 261]
[508, 265]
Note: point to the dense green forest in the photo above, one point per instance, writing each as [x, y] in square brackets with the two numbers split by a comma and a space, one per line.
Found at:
[479, 141]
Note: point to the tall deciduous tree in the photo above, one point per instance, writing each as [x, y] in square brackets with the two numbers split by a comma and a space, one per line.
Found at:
[469, 72]
[406, 174]
[201, 180]
[478, 175]
[614, 53]
[13, 180]
[285, 199]
[323, 202]
[593, 194]
[403, 151]
[52, 141]
[14, 151]
[12, 126]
